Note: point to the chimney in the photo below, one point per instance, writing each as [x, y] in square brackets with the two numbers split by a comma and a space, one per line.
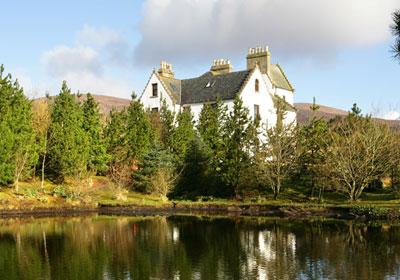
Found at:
[221, 66]
[259, 56]
[166, 70]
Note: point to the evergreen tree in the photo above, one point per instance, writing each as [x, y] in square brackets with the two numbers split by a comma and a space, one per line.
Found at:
[98, 157]
[237, 140]
[68, 141]
[195, 179]
[395, 27]
[115, 135]
[17, 147]
[155, 161]
[182, 134]
[211, 125]
[313, 145]
[167, 125]
[138, 135]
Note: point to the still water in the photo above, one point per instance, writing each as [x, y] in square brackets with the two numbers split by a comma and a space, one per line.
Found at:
[196, 247]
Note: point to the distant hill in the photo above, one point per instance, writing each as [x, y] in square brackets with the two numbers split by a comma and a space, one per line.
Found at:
[328, 113]
[106, 103]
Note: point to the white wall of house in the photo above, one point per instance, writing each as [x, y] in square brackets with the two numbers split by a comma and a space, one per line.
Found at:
[150, 102]
[262, 98]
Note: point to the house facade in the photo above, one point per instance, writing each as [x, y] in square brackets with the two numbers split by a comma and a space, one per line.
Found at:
[259, 86]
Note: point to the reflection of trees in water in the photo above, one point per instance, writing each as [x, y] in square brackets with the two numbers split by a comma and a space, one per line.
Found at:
[196, 247]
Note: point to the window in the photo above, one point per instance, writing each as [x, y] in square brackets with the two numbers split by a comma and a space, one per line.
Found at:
[154, 110]
[256, 111]
[257, 85]
[155, 90]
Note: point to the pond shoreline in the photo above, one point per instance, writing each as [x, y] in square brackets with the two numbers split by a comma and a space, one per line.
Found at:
[283, 211]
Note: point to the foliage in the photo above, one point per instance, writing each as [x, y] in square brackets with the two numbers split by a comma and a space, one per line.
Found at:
[395, 27]
[237, 141]
[155, 172]
[313, 147]
[17, 141]
[358, 154]
[280, 151]
[68, 141]
[98, 157]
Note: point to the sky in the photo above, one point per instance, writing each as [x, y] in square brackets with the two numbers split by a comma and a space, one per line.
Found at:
[336, 51]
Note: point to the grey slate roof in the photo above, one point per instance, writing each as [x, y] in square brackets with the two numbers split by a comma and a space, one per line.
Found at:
[224, 86]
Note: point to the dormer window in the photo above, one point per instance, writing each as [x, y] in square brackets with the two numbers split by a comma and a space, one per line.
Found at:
[210, 84]
[154, 90]
[257, 85]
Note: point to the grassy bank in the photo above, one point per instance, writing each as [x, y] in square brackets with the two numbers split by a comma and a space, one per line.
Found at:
[99, 192]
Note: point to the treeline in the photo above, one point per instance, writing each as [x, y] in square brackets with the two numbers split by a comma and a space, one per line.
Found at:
[225, 154]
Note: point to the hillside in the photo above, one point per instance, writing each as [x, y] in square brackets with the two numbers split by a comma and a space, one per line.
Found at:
[304, 114]
[106, 103]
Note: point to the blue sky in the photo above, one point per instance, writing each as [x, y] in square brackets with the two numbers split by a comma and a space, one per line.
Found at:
[337, 51]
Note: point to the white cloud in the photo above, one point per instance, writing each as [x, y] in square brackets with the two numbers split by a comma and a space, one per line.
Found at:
[309, 29]
[114, 46]
[391, 115]
[63, 60]
[91, 64]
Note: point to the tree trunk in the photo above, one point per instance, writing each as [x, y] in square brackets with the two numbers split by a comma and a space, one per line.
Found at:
[43, 162]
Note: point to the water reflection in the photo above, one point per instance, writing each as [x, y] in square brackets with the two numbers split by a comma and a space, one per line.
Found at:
[188, 247]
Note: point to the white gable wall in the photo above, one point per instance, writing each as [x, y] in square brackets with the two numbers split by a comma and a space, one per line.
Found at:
[151, 102]
[262, 98]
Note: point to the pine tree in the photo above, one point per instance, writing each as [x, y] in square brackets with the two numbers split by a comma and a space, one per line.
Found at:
[195, 179]
[313, 142]
[182, 134]
[155, 162]
[68, 143]
[167, 121]
[115, 135]
[138, 135]
[17, 142]
[237, 140]
[98, 157]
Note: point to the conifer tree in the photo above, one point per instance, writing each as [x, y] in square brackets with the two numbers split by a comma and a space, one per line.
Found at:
[138, 131]
[211, 125]
[182, 134]
[157, 161]
[167, 121]
[115, 135]
[98, 157]
[17, 147]
[196, 179]
[68, 142]
[313, 143]
[237, 141]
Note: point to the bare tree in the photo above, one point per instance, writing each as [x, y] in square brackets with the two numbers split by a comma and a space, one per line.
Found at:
[41, 122]
[280, 150]
[358, 154]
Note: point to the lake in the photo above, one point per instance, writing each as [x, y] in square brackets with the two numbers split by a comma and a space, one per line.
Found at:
[196, 247]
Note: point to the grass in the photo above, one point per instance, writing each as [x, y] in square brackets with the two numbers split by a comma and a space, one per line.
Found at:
[101, 192]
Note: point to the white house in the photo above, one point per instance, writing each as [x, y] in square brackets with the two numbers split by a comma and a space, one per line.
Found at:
[258, 86]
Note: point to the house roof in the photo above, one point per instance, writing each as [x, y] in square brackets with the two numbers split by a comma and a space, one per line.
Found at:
[173, 86]
[279, 78]
[208, 87]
